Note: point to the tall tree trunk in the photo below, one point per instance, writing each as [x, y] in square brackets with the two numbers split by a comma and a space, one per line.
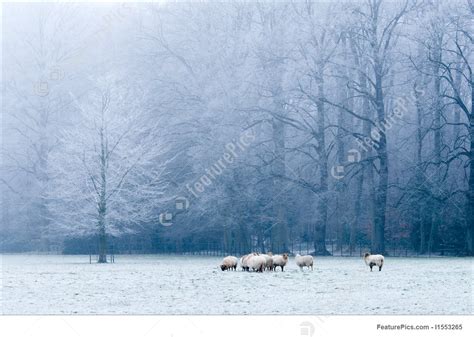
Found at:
[470, 194]
[102, 207]
[322, 207]
[378, 244]
[280, 227]
[238, 212]
[243, 238]
[419, 175]
[437, 108]
[366, 151]
[339, 185]
[345, 96]
[357, 211]
[102, 238]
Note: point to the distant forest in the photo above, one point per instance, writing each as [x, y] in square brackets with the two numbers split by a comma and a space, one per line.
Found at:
[227, 127]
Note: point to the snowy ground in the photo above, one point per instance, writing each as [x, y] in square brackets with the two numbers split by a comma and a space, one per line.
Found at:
[194, 285]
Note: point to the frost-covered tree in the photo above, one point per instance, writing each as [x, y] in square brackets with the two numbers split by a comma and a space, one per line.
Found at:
[107, 174]
[35, 84]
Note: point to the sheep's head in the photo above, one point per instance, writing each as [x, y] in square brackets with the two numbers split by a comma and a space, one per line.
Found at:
[366, 255]
[285, 256]
[223, 267]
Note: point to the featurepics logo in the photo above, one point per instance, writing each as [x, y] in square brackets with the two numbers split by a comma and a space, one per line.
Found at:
[379, 128]
[233, 150]
[400, 107]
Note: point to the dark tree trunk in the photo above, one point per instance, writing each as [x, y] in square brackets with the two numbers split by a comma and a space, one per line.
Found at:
[378, 244]
[102, 243]
[357, 211]
[322, 207]
[243, 239]
[346, 97]
[366, 152]
[470, 194]
[320, 239]
[280, 227]
[437, 109]
[419, 175]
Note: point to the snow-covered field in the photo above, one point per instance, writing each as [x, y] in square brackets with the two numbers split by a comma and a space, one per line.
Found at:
[156, 284]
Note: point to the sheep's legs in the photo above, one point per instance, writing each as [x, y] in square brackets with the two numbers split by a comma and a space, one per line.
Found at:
[380, 268]
[371, 265]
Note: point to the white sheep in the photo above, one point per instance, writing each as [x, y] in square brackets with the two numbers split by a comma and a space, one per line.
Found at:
[374, 260]
[268, 261]
[304, 261]
[241, 262]
[228, 263]
[256, 262]
[244, 261]
[280, 260]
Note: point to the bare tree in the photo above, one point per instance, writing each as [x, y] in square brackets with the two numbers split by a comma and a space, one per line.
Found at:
[377, 31]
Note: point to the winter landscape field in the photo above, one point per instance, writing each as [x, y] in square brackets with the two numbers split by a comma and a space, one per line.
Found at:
[158, 284]
[141, 134]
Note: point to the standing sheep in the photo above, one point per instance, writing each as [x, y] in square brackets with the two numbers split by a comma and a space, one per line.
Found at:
[374, 260]
[304, 261]
[242, 263]
[244, 260]
[280, 260]
[228, 263]
[268, 261]
[257, 263]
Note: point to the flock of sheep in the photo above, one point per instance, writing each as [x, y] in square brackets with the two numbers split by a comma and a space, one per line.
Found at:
[260, 262]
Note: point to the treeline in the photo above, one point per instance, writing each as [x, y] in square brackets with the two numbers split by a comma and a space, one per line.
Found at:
[248, 126]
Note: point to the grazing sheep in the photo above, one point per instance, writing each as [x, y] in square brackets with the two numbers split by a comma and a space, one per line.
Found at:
[257, 263]
[304, 261]
[280, 260]
[229, 263]
[268, 261]
[374, 260]
[244, 261]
